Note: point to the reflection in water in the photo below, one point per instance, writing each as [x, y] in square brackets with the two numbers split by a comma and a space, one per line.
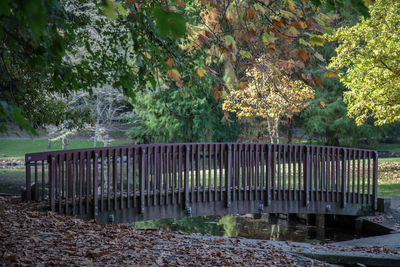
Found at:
[251, 226]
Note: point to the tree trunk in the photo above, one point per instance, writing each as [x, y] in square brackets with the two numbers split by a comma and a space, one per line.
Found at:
[64, 143]
[48, 144]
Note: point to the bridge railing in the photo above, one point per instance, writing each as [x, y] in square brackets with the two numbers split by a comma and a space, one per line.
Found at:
[89, 181]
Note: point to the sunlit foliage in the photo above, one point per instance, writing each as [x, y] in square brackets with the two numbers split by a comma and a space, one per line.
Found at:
[270, 95]
[369, 55]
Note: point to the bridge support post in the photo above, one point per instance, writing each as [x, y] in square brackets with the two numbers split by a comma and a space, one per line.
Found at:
[306, 173]
[344, 161]
[228, 176]
[187, 170]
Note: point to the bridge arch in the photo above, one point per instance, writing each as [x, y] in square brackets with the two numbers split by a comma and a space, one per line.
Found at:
[154, 181]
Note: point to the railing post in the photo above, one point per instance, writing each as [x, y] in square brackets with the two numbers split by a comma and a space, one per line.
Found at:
[375, 181]
[95, 184]
[187, 170]
[343, 198]
[306, 176]
[228, 176]
[28, 178]
[142, 172]
[268, 177]
[52, 174]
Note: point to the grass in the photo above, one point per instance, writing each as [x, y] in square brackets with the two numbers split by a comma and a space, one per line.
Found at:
[389, 177]
[15, 149]
[388, 147]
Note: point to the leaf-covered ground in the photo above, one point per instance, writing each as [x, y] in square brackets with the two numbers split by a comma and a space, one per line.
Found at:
[31, 236]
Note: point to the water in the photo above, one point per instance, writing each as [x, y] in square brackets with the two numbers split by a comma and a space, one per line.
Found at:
[253, 226]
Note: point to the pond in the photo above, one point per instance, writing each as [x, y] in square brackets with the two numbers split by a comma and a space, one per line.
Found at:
[266, 227]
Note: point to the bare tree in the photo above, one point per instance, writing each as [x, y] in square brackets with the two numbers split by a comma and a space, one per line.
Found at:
[108, 110]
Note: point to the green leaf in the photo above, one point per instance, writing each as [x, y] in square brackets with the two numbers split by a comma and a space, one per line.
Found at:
[317, 40]
[328, 30]
[110, 8]
[169, 23]
[20, 120]
[246, 54]
[316, 2]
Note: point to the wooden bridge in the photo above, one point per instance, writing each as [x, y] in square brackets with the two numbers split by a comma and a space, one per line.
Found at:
[144, 182]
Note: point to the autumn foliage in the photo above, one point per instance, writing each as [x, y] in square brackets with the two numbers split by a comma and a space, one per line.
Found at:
[270, 95]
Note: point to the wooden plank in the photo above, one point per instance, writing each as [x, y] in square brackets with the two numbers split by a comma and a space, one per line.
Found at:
[128, 183]
[209, 171]
[268, 178]
[215, 172]
[52, 179]
[204, 172]
[135, 164]
[375, 180]
[187, 170]
[108, 180]
[168, 173]
[82, 174]
[344, 178]
[114, 167]
[221, 169]
[102, 181]
[43, 180]
[142, 181]
[95, 185]
[228, 174]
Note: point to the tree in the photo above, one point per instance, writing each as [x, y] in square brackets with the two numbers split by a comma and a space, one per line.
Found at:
[325, 119]
[174, 115]
[369, 57]
[49, 47]
[270, 95]
[108, 111]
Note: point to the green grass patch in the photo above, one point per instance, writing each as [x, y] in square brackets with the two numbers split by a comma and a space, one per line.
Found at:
[388, 147]
[389, 189]
[16, 148]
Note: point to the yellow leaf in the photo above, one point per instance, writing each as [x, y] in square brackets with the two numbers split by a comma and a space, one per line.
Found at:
[291, 5]
[331, 74]
[303, 42]
[292, 30]
[319, 56]
[201, 72]
[322, 103]
[174, 74]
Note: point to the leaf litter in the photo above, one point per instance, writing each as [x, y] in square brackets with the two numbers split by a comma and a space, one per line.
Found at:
[30, 235]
